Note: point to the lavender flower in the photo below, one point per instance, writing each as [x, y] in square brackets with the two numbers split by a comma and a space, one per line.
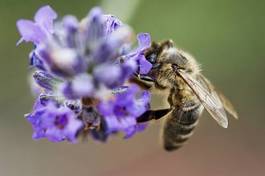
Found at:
[120, 113]
[57, 123]
[38, 30]
[82, 70]
[144, 42]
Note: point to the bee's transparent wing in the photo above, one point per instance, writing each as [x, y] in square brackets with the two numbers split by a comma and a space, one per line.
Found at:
[209, 100]
[225, 101]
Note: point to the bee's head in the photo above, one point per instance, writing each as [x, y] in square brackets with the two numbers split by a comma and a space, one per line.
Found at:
[167, 60]
[165, 53]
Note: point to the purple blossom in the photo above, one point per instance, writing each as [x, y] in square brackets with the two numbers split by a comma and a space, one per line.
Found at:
[120, 113]
[38, 30]
[144, 65]
[144, 42]
[53, 122]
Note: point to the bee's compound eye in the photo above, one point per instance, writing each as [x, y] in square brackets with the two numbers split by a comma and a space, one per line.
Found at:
[152, 58]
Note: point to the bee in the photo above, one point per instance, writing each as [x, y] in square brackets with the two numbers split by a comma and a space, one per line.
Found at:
[189, 94]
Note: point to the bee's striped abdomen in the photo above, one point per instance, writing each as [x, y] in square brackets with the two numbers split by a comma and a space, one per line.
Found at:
[179, 126]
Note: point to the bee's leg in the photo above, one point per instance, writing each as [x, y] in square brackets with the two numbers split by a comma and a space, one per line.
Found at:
[153, 115]
[142, 81]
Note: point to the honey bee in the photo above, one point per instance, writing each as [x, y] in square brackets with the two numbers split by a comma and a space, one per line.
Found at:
[189, 93]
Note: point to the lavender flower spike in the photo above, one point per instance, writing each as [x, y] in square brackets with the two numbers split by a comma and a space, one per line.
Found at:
[82, 75]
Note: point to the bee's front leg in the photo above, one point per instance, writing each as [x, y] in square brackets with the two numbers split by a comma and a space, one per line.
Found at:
[152, 115]
[144, 82]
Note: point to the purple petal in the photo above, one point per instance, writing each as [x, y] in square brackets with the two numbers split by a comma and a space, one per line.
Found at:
[71, 129]
[144, 40]
[144, 65]
[55, 123]
[132, 130]
[128, 68]
[113, 124]
[30, 32]
[128, 124]
[54, 135]
[106, 108]
[129, 132]
[139, 106]
[44, 17]
[126, 98]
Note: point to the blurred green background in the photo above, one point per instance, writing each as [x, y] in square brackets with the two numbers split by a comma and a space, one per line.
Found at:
[228, 39]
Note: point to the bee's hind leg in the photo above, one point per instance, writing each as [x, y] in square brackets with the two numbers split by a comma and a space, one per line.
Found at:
[152, 115]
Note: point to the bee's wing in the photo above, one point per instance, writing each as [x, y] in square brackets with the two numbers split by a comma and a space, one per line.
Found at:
[209, 100]
[225, 101]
